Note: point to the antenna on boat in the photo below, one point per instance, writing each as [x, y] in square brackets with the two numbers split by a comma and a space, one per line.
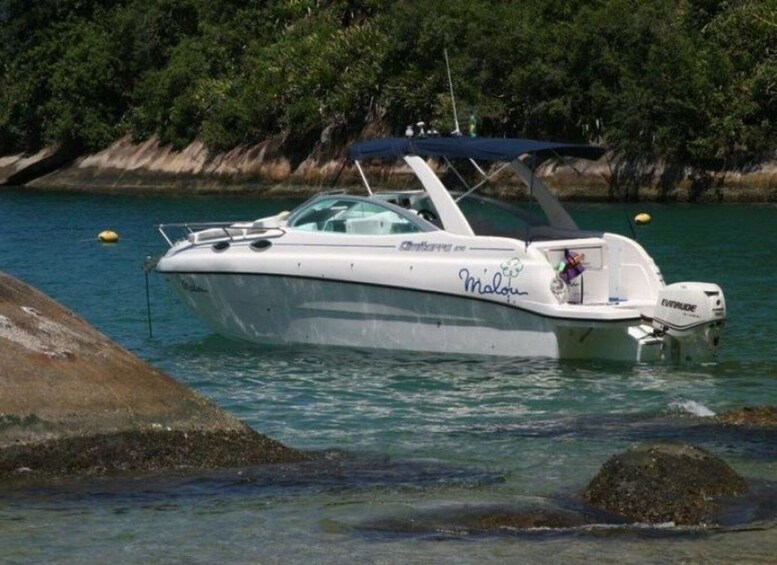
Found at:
[457, 131]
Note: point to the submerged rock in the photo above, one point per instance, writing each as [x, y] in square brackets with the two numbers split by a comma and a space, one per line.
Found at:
[73, 402]
[482, 520]
[142, 451]
[524, 520]
[751, 416]
[664, 482]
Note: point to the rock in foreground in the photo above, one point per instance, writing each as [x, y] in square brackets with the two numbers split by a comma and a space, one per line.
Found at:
[664, 482]
[73, 402]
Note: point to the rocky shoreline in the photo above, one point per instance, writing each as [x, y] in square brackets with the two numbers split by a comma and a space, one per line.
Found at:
[270, 170]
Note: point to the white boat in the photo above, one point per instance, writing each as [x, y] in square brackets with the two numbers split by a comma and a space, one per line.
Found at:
[419, 270]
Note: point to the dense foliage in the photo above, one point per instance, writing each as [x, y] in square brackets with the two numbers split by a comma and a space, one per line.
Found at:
[692, 81]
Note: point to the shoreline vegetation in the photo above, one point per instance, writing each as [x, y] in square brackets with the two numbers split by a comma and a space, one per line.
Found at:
[217, 95]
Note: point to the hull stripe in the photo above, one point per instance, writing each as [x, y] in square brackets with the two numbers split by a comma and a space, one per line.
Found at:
[437, 292]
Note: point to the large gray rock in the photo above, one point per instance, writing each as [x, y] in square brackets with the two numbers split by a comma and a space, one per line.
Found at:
[664, 482]
[73, 402]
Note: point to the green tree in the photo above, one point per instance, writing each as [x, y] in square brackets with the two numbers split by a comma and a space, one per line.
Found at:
[689, 82]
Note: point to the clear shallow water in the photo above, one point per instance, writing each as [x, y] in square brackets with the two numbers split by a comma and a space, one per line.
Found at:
[413, 433]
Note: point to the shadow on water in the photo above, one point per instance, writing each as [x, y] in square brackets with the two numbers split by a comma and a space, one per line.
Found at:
[342, 475]
[331, 472]
[542, 518]
[338, 474]
[737, 441]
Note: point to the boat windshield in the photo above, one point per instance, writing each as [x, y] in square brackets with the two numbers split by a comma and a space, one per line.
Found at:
[355, 216]
[525, 221]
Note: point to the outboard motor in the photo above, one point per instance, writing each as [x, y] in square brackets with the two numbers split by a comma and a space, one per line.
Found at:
[690, 317]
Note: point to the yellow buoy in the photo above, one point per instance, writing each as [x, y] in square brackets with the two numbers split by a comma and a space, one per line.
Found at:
[108, 236]
[642, 218]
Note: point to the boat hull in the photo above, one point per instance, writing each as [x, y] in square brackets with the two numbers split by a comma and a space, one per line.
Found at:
[300, 310]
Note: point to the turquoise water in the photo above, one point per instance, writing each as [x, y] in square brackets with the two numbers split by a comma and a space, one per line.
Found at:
[408, 435]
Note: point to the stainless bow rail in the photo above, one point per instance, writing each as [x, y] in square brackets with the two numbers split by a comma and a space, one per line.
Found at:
[199, 232]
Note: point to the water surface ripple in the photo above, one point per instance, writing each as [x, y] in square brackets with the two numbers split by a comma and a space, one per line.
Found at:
[404, 435]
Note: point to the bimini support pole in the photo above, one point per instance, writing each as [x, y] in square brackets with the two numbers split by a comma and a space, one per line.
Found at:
[456, 172]
[364, 178]
[486, 178]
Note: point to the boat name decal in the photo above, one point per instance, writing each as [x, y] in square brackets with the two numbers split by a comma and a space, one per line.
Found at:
[684, 306]
[431, 247]
[496, 285]
[191, 286]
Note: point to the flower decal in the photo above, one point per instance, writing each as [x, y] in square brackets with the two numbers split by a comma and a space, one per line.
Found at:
[512, 267]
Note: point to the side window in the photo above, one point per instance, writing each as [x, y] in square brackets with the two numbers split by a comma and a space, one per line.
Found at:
[354, 217]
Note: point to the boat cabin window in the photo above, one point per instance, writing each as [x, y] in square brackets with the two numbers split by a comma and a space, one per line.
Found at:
[354, 216]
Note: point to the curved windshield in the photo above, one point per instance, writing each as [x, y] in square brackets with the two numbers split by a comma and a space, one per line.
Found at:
[487, 216]
[354, 216]
[526, 222]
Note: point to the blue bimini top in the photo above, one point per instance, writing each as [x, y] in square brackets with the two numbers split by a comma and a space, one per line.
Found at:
[482, 148]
